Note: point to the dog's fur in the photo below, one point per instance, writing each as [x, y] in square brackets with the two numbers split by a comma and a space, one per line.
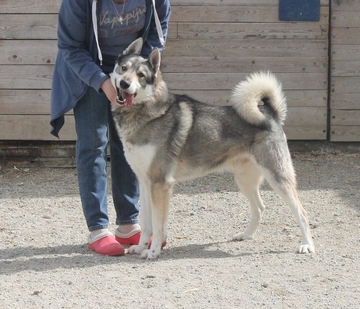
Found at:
[169, 138]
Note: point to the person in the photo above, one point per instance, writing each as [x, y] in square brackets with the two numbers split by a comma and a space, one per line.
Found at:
[91, 35]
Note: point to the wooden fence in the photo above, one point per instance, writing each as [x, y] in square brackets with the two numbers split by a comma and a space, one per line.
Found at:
[345, 71]
[212, 45]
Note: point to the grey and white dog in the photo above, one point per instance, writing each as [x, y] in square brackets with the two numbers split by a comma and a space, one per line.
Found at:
[169, 138]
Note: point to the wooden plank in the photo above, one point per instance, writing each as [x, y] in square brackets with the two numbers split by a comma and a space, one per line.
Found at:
[39, 27]
[306, 98]
[28, 51]
[345, 118]
[222, 2]
[216, 13]
[347, 36]
[234, 2]
[30, 6]
[215, 81]
[307, 116]
[345, 134]
[245, 48]
[232, 14]
[345, 5]
[37, 102]
[345, 68]
[44, 52]
[40, 76]
[302, 133]
[345, 85]
[306, 123]
[302, 123]
[24, 102]
[311, 98]
[52, 6]
[213, 30]
[28, 26]
[33, 127]
[348, 18]
[243, 64]
[26, 76]
[345, 52]
[345, 101]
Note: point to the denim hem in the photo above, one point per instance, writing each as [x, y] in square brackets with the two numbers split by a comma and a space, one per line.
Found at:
[125, 222]
[98, 227]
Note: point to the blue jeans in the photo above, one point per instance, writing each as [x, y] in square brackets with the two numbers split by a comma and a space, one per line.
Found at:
[95, 128]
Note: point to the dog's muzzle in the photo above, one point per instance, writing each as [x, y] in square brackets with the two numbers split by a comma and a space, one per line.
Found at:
[124, 98]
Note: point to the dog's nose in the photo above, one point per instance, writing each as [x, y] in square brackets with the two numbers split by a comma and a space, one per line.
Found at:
[124, 84]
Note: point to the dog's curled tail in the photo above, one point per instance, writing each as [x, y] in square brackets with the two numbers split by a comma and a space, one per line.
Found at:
[261, 88]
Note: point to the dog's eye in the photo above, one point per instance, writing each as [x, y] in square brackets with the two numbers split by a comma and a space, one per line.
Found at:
[141, 75]
[123, 68]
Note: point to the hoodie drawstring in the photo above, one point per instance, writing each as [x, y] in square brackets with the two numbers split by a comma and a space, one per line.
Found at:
[158, 25]
[95, 25]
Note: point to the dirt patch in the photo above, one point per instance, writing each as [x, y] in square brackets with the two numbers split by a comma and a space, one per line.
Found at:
[45, 263]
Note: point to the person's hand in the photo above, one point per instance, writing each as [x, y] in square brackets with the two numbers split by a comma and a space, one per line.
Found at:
[110, 92]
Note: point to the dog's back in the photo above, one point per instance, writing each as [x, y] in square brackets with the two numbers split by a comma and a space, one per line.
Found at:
[226, 132]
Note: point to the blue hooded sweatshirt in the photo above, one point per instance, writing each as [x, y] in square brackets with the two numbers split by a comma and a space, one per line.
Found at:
[78, 60]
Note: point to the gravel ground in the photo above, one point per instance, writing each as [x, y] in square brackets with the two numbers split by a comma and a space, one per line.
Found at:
[45, 263]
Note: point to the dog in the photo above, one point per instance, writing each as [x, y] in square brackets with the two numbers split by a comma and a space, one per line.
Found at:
[170, 138]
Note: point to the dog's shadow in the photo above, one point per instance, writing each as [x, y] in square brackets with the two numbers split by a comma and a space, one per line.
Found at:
[199, 251]
[210, 251]
[15, 260]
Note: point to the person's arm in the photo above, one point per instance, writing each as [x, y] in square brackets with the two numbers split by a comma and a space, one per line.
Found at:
[163, 10]
[72, 37]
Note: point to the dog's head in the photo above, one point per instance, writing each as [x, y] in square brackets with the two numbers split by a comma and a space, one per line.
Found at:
[133, 76]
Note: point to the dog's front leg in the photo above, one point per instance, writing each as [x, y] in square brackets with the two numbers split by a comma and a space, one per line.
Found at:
[145, 218]
[160, 198]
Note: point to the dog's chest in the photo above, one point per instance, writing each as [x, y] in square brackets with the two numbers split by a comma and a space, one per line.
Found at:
[139, 157]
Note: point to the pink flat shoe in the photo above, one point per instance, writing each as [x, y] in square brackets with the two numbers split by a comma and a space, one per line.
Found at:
[127, 240]
[107, 246]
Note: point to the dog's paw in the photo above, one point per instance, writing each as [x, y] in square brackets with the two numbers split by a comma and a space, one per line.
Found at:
[150, 254]
[306, 249]
[136, 249]
[243, 236]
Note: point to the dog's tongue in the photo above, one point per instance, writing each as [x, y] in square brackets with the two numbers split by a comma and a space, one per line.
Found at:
[128, 98]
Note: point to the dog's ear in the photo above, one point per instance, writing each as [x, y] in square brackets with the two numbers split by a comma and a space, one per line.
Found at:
[154, 59]
[134, 48]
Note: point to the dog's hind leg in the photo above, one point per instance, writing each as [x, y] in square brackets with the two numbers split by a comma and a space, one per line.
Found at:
[281, 177]
[289, 194]
[249, 181]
